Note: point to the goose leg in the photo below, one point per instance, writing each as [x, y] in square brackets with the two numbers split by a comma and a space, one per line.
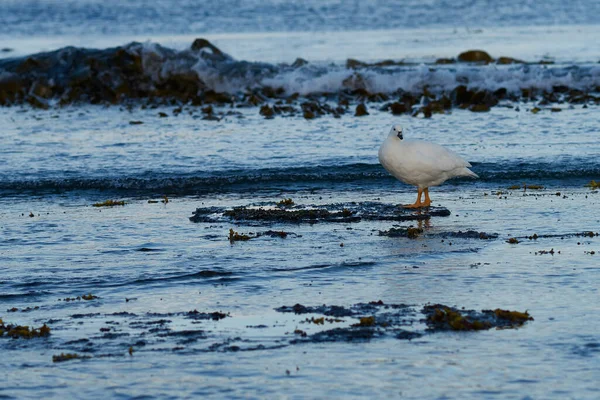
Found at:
[417, 204]
[427, 201]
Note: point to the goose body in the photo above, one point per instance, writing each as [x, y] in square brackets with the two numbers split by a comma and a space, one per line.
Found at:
[420, 163]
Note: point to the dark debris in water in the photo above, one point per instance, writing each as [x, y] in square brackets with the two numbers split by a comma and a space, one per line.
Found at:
[15, 331]
[443, 318]
[413, 233]
[331, 213]
[123, 334]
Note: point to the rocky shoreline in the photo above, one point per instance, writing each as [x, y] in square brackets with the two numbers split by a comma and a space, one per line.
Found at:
[151, 75]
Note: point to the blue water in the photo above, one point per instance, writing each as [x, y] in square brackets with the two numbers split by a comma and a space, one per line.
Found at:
[149, 265]
[49, 17]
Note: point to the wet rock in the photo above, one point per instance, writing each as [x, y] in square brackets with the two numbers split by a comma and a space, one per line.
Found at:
[202, 45]
[331, 311]
[184, 86]
[484, 97]
[408, 335]
[410, 232]
[361, 110]
[12, 89]
[475, 56]
[211, 96]
[299, 62]
[62, 357]
[501, 93]
[468, 235]
[351, 63]
[342, 335]
[304, 215]
[509, 60]
[267, 112]
[461, 95]
[312, 109]
[308, 114]
[399, 108]
[37, 102]
[350, 212]
[479, 108]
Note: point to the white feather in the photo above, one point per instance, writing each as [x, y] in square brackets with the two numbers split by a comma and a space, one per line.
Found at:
[419, 163]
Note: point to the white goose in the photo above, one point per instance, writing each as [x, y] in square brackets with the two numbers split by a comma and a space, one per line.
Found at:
[419, 163]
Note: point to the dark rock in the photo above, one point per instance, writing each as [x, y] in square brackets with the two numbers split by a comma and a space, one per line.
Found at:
[308, 114]
[299, 62]
[501, 93]
[353, 64]
[356, 82]
[344, 335]
[12, 90]
[479, 108]
[398, 108]
[37, 102]
[445, 61]
[408, 335]
[184, 86]
[266, 111]
[361, 110]
[509, 60]
[202, 44]
[475, 56]
[461, 95]
[211, 96]
[484, 97]
[561, 89]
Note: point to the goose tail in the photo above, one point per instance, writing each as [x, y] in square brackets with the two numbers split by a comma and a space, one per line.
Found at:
[469, 173]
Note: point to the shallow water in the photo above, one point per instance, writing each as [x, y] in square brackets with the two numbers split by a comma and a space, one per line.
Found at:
[153, 255]
[160, 278]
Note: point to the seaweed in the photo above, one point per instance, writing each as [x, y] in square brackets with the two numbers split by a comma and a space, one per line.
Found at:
[67, 357]
[410, 232]
[525, 187]
[446, 318]
[513, 240]
[285, 203]
[23, 331]
[366, 321]
[110, 203]
[593, 185]
[513, 316]
[236, 237]
[86, 297]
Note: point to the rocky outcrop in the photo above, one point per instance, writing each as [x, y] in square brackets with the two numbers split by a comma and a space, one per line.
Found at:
[475, 56]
